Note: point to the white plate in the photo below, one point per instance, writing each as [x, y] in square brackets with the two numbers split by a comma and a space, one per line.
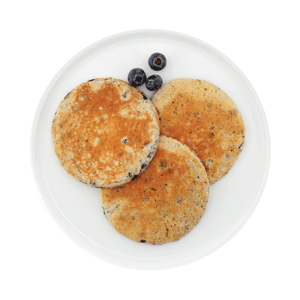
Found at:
[76, 207]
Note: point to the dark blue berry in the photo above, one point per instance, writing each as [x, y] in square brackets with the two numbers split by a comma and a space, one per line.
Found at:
[154, 82]
[157, 61]
[137, 77]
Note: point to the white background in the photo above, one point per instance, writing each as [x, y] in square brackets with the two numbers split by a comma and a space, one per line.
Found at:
[38, 261]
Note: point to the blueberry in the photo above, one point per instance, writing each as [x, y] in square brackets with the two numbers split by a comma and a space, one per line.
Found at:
[137, 77]
[154, 82]
[157, 61]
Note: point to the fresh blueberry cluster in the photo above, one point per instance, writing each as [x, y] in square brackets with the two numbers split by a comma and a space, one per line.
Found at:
[137, 76]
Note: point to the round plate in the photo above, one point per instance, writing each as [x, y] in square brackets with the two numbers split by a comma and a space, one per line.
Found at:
[76, 207]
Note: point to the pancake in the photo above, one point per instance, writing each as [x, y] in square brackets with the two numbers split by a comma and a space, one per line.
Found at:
[163, 203]
[203, 117]
[105, 132]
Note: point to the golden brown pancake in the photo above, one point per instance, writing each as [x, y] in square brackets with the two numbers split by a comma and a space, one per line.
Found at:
[203, 117]
[163, 203]
[105, 132]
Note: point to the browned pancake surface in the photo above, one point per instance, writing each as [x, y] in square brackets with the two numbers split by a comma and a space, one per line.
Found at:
[164, 202]
[203, 117]
[105, 132]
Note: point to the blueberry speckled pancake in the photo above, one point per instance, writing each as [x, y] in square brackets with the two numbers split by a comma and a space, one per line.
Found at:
[203, 117]
[163, 203]
[105, 132]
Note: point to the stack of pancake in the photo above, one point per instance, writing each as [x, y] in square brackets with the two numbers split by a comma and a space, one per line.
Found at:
[153, 161]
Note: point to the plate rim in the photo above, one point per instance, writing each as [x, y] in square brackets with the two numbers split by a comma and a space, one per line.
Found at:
[115, 257]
